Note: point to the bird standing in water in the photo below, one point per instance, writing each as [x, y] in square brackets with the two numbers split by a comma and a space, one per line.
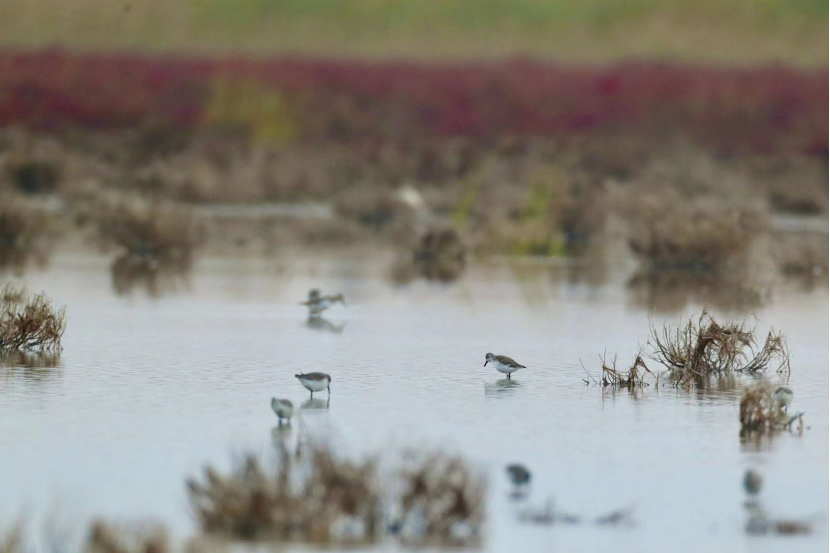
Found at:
[784, 396]
[283, 408]
[503, 364]
[315, 382]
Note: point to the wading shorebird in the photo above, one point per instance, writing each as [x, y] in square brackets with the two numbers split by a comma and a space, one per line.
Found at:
[315, 382]
[752, 482]
[784, 396]
[503, 364]
[317, 304]
[518, 474]
[283, 408]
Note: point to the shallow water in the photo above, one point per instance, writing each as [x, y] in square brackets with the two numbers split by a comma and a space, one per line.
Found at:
[149, 387]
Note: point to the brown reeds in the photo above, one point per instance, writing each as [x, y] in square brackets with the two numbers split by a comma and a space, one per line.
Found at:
[633, 377]
[105, 537]
[11, 540]
[159, 231]
[29, 322]
[443, 498]
[318, 497]
[23, 230]
[306, 498]
[439, 254]
[674, 233]
[704, 347]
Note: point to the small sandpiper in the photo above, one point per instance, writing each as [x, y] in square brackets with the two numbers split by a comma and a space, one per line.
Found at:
[317, 304]
[315, 382]
[518, 474]
[752, 483]
[784, 396]
[283, 408]
[503, 364]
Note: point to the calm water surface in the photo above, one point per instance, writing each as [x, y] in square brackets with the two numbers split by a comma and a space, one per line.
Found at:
[148, 389]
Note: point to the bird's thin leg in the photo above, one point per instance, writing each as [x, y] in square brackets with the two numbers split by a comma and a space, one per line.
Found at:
[312, 395]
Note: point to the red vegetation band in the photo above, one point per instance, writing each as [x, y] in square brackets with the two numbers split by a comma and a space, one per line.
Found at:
[766, 109]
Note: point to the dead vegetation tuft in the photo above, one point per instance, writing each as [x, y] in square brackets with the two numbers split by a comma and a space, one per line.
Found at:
[105, 537]
[159, 231]
[760, 410]
[801, 256]
[155, 278]
[704, 347]
[438, 255]
[11, 541]
[634, 377]
[674, 233]
[315, 496]
[442, 500]
[23, 233]
[29, 322]
[318, 497]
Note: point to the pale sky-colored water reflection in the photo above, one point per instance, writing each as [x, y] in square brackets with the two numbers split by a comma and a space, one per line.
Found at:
[148, 389]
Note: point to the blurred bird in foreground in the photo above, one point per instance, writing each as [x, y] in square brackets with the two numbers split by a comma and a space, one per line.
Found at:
[317, 303]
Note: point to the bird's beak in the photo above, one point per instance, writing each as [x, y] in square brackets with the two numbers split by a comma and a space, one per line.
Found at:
[485, 363]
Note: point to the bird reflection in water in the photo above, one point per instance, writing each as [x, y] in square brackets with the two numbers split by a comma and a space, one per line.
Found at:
[502, 387]
[316, 403]
[322, 324]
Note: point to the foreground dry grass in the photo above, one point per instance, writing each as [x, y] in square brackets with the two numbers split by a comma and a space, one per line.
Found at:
[316, 496]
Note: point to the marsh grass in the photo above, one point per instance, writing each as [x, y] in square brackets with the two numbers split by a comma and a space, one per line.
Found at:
[675, 233]
[156, 231]
[29, 322]
[304, 497]
[155, 278]
[633, 377]
[439, 254]
[315, 496]
[442, 499]
[105, 537]
[801, 256]
[24, 233]
[703, 347]
[11, 540]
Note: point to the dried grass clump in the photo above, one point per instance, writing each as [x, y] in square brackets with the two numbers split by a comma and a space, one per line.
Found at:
[155, 278]
[702, 348]
[801, 255]
[34, 176]
[107, 538]
[760, 410]
[442, 500]
[11, 540]
[155, 231]
[29, 322]
[373, 208]
[23, 231]
[438, 255]
[318, 498]
[674, 233]
[634, 377]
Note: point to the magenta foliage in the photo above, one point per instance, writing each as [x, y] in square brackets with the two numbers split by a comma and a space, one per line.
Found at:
[767, 109]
